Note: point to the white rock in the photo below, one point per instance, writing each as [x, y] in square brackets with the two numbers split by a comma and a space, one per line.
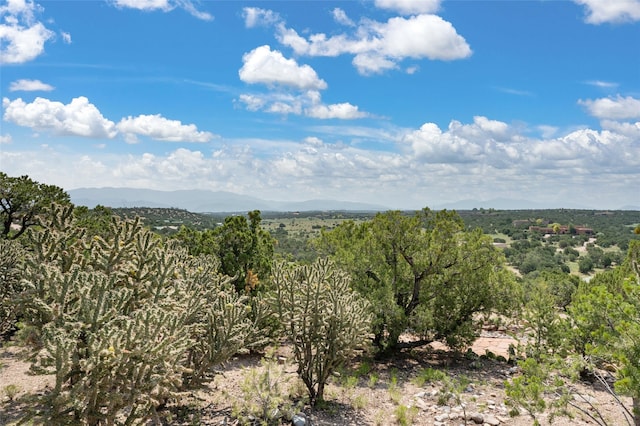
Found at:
[441, 417]
[584, 398]
[491, 421]
[476, 417]
[421, 404]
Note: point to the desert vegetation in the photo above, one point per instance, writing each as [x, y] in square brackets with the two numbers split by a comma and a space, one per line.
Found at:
[334, 318]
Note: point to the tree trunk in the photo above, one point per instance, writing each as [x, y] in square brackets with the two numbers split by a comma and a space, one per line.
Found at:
[320, 395]
[636, 410]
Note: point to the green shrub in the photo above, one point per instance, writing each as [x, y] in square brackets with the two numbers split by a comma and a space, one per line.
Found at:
[11, 391]
[428, 375]
[264, 395]
[405, 415]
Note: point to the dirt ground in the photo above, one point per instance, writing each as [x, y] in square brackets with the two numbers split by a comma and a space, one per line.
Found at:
[384, 393]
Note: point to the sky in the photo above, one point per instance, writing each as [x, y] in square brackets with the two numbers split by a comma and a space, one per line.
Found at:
[401, 103]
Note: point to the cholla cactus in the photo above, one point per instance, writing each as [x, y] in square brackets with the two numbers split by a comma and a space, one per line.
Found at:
[324, 319]
[124, 322]
[11, 255]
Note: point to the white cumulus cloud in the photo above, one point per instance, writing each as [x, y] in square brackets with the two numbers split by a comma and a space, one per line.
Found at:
[164, 6]
[255, 16]
[5, 139]
[77, 118]
[308, 104]
[615, 11]
[265, 66]
[490, 144]
[162, 129]
[482, 159]
[618, 108]
[409, 7]
[379, 46]
[22, 37]
[340, 16]
[66, 37]
[29, 86]
[344, 111]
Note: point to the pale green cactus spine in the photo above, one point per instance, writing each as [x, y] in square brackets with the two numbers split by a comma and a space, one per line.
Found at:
[324, 319]
[124, 321]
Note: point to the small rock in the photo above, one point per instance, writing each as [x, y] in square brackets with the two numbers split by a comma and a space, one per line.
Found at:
[439, 423]
[476, 418]
[420, 395]
[300, 420]
[419, 402]
[584, 398]
[491, 402]
[492, 421]
[441, 417]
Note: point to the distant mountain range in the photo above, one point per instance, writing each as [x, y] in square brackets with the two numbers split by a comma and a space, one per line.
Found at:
[201, 201]
[204, 201]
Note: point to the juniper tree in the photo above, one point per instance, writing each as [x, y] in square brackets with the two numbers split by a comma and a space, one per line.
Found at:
[424, 272]
[23, 201]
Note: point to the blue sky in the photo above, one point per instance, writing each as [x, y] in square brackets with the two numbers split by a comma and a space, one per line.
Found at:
[402, 103]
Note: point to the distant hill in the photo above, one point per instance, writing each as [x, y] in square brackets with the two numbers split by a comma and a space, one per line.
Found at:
[203, 201]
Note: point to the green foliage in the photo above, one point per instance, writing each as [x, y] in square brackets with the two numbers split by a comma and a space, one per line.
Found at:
[322, 317]
[540, 258]
[606, 312]
[244, 249]
[405, 415]
[264, 395]
[428, 375]
[453, 389]
[526, 391]
[559, 285]
[544, 328]
[11, 391]
[585, 264]
[23, 202]
[124, 322]
[96, 221]
[373, 379]
[423, 272]
[11, 255]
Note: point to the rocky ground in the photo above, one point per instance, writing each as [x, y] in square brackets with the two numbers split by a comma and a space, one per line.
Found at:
[367, 392]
